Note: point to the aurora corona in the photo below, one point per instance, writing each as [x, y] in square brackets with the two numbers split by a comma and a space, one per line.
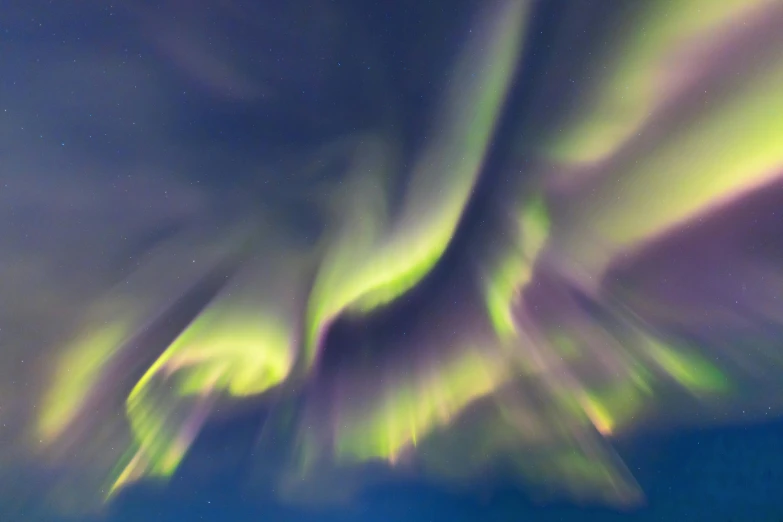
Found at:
[545, 344]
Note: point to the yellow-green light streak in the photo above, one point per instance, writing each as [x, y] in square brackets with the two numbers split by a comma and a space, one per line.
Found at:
[653, 60]
[410, 409]
[730, 148]
[442, 181]
[243, 344]
[516, 267]
[117, 317]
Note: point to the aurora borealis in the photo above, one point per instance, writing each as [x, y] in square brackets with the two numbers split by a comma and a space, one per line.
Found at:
[556, 236]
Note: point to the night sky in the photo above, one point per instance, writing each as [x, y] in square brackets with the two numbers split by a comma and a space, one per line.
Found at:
[347, 260]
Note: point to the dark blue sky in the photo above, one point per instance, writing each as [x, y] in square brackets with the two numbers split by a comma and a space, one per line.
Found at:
[730, 474]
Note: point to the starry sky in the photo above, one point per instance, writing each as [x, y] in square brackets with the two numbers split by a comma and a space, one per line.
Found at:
[421, 260]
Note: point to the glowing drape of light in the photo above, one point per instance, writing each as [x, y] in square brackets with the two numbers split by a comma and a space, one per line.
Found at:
[242, 344]
[113, 322]
[656, 57]
[367, 268]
